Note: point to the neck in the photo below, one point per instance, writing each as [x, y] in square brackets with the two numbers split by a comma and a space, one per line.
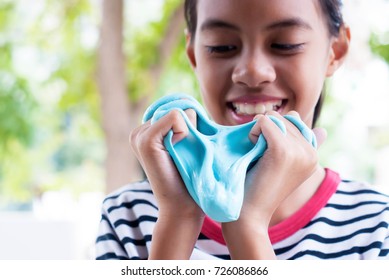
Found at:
[299, 197]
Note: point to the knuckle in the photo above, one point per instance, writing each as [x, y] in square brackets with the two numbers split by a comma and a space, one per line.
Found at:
[133, 135]
[133, 138]
[175, 116]
[138, 139]
[144, 141]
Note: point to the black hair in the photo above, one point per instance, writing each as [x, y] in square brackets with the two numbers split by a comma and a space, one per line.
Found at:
[332, 9]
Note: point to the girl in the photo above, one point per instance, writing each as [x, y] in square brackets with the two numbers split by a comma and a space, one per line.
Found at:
[253, 59]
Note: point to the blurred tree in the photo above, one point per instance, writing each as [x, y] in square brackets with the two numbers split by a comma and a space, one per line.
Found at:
[116, 112]
[50, 110]
[126, 88]
[15, 99]
[379, 45]
[48, 97]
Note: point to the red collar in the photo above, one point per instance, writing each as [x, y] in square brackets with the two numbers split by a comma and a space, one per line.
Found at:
[289, 226]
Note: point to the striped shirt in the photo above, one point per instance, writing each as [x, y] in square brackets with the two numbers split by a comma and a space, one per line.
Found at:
[342, 220]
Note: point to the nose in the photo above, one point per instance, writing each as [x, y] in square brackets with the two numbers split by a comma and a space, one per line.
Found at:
[253, 69]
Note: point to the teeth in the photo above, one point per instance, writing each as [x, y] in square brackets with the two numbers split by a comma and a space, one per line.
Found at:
[260, 109]
[269, 107]
[255, 109]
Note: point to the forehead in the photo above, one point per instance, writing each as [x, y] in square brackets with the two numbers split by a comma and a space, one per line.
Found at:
[260, 12]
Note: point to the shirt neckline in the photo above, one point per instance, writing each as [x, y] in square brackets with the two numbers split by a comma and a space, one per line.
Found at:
[292, 224]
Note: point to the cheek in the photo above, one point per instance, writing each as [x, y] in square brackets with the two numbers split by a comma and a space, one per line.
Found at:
[306, 102]
[213, 92]
[209, 89]
[213, 79]
[211, 75]
[305, 82]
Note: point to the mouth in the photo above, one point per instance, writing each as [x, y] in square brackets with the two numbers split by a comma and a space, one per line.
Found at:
[245, 111]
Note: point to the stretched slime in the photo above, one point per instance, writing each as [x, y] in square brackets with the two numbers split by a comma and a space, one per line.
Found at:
[213, 159]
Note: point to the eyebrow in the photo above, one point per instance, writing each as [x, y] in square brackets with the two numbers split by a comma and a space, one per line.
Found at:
[216, 23]
[285, 23]
[290, 22]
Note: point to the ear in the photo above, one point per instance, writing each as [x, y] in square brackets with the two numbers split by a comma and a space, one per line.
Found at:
[190, 49]
[339, 49]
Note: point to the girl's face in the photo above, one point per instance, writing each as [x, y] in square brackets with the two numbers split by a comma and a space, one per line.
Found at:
[252, 56]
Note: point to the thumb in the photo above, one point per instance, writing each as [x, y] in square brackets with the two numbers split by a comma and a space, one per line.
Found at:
[321, 135]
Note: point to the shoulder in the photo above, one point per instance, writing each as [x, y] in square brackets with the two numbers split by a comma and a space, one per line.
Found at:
[352, 225]
[129, 196]
[129, 190]
[127, 221]
[362, 191]
[134, 201]
[360, 206]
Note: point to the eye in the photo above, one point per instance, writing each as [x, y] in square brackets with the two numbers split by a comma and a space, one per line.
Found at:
[288, 47]
[220, 49]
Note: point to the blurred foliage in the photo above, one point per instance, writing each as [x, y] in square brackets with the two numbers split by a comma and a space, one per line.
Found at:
[141, 45]
[379, 45]
[49, 107]
[50, 130]
[179, 76]
[16, 101]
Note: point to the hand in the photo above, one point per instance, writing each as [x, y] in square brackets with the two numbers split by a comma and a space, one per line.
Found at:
[288, 162]
[167, 185]
[179, 217]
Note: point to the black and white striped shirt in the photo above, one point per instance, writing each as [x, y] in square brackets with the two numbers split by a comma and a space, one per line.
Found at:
[343, 220]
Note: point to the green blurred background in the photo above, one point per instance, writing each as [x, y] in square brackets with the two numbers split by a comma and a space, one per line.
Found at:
[76, 76]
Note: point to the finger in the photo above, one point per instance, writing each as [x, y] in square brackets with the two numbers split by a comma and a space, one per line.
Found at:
[293, 113]
[135, 139]
[192, 116]
[298, 128]
[136, 132]
[172, 121]
[270, 130]
[148, 139]
[321, 135]
[289, 126]
[256, 129]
